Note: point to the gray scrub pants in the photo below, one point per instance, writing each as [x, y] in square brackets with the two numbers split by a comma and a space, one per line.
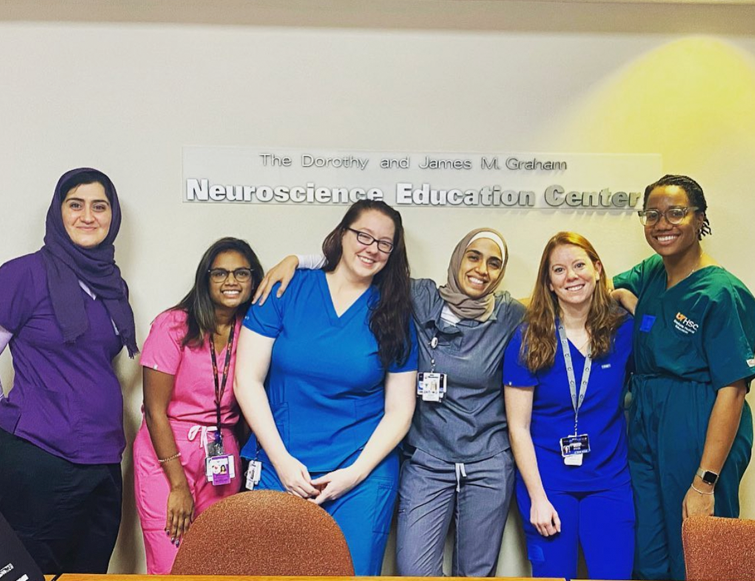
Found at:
[476, 494]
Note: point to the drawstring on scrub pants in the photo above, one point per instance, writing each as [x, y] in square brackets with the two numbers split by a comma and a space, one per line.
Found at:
[194, 430]
[460, 473]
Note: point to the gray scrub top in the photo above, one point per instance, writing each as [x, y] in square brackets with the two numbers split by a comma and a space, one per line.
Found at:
[469, 423]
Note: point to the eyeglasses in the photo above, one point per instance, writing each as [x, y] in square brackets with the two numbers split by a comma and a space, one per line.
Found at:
[672, 215]
[221, 274]
[364, 238]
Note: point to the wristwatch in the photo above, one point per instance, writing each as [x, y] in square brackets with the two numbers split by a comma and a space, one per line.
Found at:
[707, 476]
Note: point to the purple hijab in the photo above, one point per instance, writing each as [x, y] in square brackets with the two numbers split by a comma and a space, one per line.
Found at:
[67, 263]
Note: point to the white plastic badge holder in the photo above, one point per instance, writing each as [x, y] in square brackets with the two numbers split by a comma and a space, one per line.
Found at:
[431, 386]
[253, 474]
[220, 470]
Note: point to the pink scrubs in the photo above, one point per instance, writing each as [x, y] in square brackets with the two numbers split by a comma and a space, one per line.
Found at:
[191, 412]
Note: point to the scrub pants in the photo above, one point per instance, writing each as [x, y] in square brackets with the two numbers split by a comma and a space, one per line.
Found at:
[67, 515]
[668, 421]
[601, 522]
[476, 494]
[151, 487]
[364, 513]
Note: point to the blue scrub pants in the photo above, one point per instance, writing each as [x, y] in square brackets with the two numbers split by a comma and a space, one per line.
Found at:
[364, 513]
[476, 494]
[601, 522]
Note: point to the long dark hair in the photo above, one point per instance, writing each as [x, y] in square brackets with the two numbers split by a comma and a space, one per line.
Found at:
[694, 193]
[198, 305]
[539, 342]
[389, 317]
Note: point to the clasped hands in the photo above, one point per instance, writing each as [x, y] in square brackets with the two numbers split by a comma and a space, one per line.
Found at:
[296, 480]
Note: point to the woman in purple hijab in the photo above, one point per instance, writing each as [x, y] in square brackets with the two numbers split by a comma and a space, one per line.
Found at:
[64, 311]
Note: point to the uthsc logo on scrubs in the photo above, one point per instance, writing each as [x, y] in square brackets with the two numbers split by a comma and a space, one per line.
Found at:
[686, 325]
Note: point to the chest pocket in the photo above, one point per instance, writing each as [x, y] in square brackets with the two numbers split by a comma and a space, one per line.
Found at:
[675, 339]
[450, 342]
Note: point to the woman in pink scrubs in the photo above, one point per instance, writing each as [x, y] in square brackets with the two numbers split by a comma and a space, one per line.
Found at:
[186, 455]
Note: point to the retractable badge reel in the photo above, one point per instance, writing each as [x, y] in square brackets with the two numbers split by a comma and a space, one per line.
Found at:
[431, 386]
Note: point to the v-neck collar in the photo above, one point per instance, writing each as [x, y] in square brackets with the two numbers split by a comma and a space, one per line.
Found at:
[687, 280]
[330, 308]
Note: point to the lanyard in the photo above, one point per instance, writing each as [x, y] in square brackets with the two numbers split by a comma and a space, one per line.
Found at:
[220, 387]
[576, 398]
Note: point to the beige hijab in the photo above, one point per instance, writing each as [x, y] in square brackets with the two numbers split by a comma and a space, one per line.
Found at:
[460, 303]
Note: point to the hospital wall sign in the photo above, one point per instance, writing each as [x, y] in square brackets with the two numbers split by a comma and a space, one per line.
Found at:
[280, 176]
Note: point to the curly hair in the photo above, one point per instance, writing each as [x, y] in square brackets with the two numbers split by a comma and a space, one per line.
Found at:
[694, 194]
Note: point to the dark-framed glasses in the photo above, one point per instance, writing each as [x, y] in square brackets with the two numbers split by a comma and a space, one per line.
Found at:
[672, 215]
[364, 238]
[221, 274]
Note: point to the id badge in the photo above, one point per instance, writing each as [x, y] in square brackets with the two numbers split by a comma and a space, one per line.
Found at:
[431, 386]
[220, 470]
[214, 448]
[573, 448]
[253, 474]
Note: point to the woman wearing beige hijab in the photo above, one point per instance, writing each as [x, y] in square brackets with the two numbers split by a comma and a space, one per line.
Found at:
[460, 464]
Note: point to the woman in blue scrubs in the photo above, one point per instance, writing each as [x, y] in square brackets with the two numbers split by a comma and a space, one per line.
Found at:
[459, 466]
[325, 376]
[564, 373]
[690, 429]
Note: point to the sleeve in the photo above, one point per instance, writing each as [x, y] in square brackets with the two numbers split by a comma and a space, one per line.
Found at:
[311, 261]
[411, 361]
[18, 294]
[423, 289]
[514, 311]
[267, 319]
[632, 279]
[5, 337]
[728, 336]
[162, 349]
[515, 373]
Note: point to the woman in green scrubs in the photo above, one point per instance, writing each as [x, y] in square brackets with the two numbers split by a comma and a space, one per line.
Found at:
[690, 429]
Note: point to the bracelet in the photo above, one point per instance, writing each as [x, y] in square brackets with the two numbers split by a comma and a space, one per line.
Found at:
[173, 457]
[711, 493]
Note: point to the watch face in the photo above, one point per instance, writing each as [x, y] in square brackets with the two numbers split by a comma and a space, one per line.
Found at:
[709, 477]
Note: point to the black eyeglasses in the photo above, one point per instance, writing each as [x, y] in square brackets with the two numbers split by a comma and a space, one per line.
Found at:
[221, 274]
[673, 215]
[364, 238]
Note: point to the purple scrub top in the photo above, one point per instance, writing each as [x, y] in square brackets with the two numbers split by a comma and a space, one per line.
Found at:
[65, 398]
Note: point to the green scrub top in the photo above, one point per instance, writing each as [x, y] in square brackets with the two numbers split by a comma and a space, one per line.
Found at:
[702, 329]
[689, 341]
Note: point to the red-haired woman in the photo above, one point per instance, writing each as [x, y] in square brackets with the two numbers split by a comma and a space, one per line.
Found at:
[564, 373]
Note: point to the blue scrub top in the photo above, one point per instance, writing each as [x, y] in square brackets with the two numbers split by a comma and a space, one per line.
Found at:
[601, 415]
[326, 382]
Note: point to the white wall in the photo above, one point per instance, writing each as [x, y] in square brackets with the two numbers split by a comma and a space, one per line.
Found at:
[124, 90]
